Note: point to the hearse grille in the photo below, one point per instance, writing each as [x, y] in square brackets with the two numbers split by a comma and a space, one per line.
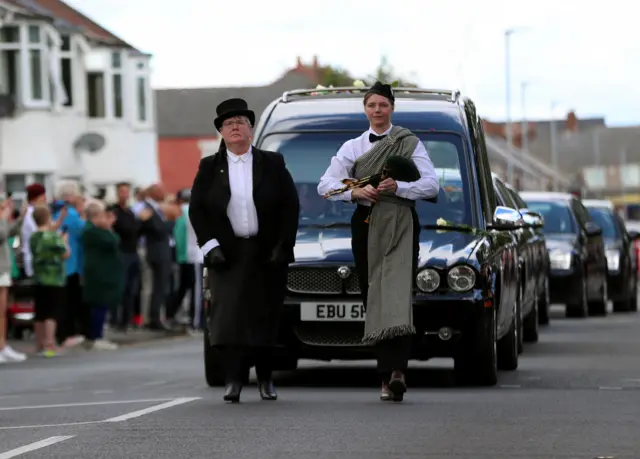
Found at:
[319, 334]
[321, 281]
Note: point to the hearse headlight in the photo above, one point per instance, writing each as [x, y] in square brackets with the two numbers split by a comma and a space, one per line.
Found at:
[613, 259]
[560, 259]
[428, 280]
[461, 278]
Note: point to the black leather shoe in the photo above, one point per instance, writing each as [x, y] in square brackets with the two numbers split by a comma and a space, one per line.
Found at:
[232, 392]
[267, 390]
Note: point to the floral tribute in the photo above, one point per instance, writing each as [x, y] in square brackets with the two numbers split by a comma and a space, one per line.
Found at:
[322, 90]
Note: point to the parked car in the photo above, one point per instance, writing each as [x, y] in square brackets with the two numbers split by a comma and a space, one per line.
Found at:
[467, 282]
[621, 255]
[578, 274]
[530, 265]
[536, 226]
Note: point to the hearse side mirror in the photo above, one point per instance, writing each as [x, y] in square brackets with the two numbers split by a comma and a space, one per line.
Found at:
[532, 219]
[506, 218]
[634, 235]
[592, 229]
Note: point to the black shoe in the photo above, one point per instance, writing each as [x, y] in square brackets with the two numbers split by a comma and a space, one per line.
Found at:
[267, 390]
[397, 386]
[232, 392]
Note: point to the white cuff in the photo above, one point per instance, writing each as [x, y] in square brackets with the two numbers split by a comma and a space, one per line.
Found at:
[403, 189]
[209, 246]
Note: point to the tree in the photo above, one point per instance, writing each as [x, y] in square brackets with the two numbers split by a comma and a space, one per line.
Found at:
[385, 73]
[335, 76]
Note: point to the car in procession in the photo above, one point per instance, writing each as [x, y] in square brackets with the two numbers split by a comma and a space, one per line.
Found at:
[578, 264]
[467, 283]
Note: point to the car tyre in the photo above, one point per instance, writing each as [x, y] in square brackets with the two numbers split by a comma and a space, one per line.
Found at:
[544, 304]
[477, 364]
[508, 348]
[581, 308]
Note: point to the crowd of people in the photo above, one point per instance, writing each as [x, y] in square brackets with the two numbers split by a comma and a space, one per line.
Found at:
[92, 265]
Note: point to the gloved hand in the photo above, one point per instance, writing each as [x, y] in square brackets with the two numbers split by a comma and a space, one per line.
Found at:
[215, 258]
[277, 255]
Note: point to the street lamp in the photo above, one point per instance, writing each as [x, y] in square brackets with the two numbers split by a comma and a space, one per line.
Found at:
[554, 144]
[507, 63]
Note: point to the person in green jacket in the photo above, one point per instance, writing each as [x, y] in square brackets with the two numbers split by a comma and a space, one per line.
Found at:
[103, 281]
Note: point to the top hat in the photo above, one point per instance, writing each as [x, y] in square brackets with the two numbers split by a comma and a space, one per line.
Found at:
[230, 108]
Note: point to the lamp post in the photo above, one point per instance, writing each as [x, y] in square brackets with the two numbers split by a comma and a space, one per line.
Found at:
[554, 145]
[507, 68]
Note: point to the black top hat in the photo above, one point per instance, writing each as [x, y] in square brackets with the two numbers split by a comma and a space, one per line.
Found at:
[233, 107]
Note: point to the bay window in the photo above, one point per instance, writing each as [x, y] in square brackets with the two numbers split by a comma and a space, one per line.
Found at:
[142, 93]
[116, 84]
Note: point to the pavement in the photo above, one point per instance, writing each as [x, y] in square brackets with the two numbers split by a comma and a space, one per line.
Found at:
[576, 395]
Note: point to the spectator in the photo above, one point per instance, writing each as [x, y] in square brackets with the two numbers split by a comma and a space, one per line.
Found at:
[145, 273]
[49, 250]
[73, 319]
[127, 227]
[7, 231]
[103, 280]
[36, 195]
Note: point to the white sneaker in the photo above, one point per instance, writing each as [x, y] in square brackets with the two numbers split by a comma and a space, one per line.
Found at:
[104, 345]
[12, 355]
[3, 359]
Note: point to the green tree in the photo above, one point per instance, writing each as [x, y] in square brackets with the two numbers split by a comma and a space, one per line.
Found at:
[335, 76]
[387, 74]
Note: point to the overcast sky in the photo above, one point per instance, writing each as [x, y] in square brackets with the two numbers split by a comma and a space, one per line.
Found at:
[583, 55]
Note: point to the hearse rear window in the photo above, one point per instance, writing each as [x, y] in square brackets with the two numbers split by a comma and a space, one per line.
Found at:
[308, 154]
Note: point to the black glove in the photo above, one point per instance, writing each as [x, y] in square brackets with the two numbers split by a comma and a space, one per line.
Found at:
[278, 256]
[215, 258]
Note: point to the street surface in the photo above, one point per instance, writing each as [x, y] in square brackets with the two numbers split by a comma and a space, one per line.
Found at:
[575, 396]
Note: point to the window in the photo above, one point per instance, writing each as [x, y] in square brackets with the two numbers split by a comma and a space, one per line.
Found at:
[116, 82]
[15, 183]
[9, 72]
[605, 220]
[96, 95]
[557, 216]
[38, 89]
[67, 79]
[309, 154]
[141, 90]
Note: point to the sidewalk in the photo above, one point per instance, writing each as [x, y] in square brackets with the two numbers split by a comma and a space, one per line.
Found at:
[122, 339]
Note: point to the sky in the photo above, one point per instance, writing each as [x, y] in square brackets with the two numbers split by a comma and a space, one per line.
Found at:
[577, 55]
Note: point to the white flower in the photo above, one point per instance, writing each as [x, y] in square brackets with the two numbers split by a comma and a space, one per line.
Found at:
[320, 87]
[359, 84]
[441, 222]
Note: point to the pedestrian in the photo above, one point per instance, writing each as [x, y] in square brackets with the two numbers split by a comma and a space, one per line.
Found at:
[49, 251]
[103, 280]
[244, 210]
[36, 196]
[8, 229]
[384, 249]
[127, 227]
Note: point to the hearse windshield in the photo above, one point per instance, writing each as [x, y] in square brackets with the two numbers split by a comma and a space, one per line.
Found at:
[604, 219]
[308, 154]
[557, 216]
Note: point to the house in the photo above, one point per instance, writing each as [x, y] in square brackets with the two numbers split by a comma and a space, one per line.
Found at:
[75, 101]
[186, 132]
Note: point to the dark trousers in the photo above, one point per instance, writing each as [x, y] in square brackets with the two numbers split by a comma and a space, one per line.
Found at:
[161, 278]
[98, 318]
[73, 318]
[393, 354]
[238, 361]
[186, 282]
[120, 314]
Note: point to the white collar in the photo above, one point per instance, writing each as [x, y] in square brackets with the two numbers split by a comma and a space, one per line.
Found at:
[371, 131]
[236, 158]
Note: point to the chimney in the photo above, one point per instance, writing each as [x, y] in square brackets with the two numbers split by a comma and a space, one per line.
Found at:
[299, 63]
[315, 62]
[571, 124]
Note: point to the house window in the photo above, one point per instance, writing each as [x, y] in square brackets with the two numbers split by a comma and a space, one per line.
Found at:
[96, 106]
[37, 90]
[9, 34]
[9, 72]
[142, 93]
[67, 79]
[35, 63]
[141, 89]
[117, 87]
[15, 183]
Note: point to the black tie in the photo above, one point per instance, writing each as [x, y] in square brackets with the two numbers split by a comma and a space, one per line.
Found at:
[374, 138]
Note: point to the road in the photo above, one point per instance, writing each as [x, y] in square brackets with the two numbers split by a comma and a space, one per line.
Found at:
[576, 395]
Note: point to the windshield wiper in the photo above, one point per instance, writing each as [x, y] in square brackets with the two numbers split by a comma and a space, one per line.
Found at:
[326, 225]
[451, 227]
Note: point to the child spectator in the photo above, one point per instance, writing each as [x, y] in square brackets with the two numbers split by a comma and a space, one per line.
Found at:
[103, 280]
[49, 251]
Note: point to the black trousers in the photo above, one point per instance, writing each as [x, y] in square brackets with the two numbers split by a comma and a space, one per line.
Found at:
[393, 354]
[238, 360]
[74, 314]
[161, 284]
[186, 282]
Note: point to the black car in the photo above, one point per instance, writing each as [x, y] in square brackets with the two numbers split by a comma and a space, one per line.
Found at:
[467, 282]
[530, 265]
[536, 239]
[578, 274]
[621, 255]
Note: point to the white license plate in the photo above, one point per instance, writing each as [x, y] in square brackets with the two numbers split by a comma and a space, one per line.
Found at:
[332, 312]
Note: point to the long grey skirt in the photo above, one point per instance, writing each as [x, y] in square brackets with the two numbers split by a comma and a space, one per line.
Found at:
[246, 299]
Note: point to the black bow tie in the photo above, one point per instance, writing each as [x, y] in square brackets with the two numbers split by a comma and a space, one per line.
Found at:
[374, 138]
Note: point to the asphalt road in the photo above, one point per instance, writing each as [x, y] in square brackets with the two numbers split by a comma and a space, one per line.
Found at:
[576, 395]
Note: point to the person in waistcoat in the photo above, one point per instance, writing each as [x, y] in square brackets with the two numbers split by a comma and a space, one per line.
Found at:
[244, 210]
[385, 236]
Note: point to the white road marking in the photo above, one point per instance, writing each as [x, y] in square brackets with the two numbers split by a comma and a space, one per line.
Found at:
[609, 388]
[70, 405]
[135, 414]
[35, 446]
[153, 383]
[98, 392]
[64, 424]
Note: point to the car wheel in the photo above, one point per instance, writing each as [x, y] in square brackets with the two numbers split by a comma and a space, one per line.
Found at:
[581, 308]
[508, 348]
[531, 323]
[477, 364]
[544, 304]
[213, 370]
[599, 308]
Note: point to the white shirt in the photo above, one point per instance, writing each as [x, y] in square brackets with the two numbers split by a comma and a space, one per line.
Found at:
[427, 186]
[194, 254]
[241, 210]
[28, 228]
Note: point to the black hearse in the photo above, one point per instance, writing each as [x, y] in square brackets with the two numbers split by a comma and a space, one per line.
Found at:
[467, 281]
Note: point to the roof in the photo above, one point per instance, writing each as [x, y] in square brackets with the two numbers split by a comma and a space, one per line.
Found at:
[599, 203]
[546, 196]
[64, 15]
[190, 112]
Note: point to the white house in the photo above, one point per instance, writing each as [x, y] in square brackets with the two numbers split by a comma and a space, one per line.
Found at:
[67, 86]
